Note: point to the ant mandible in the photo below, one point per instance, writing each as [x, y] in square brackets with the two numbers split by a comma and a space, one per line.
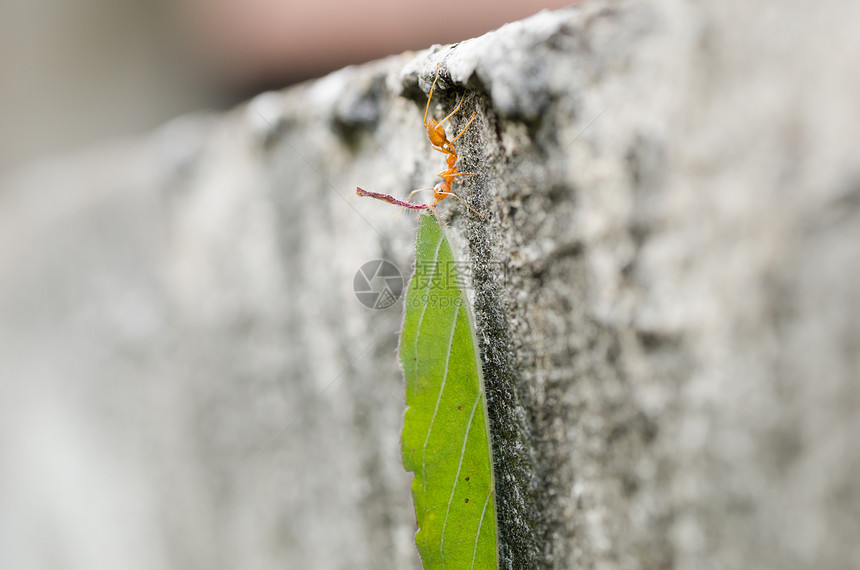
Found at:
[439, 140]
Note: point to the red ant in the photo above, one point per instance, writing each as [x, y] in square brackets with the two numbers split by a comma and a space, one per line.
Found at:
[440, 142]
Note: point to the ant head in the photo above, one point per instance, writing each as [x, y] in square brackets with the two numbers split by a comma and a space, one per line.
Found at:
[440, 191]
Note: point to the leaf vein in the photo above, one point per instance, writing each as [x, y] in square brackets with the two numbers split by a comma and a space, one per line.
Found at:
[438, 399]
[418, 336]
[480, 525]
[424, 308]
[457, 477]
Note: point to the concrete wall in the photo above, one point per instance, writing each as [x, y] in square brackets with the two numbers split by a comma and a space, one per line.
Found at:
[666, 286]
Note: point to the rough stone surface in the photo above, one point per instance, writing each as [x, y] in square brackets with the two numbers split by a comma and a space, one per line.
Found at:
[666, 284]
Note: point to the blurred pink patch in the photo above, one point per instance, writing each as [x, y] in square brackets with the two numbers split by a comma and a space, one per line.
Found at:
[249, 40]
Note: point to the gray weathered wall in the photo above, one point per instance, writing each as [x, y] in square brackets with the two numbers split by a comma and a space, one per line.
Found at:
[666, 284]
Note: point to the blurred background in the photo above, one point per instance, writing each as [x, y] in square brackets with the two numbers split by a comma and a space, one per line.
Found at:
[130, 431]
[166, 316]
[74, 72]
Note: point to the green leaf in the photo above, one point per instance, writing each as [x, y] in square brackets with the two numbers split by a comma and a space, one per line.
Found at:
[446, 440]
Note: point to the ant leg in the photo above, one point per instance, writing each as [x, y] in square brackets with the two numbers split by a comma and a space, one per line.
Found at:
[397, 215]
[443, 150]
[430, 95]
[462, 202]
[457, 108]
[472, 118]
[446, 174]
[415, 192]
